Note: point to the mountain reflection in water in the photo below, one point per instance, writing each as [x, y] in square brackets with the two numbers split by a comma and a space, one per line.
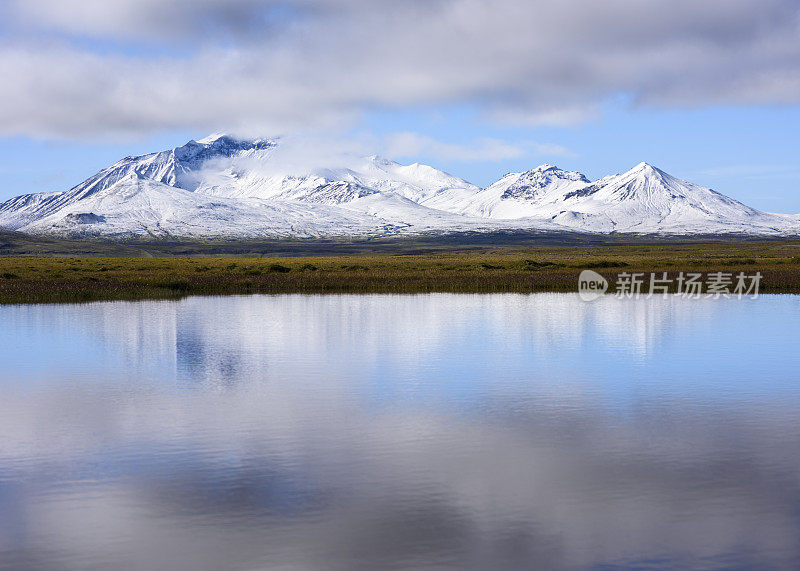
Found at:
[428, 431]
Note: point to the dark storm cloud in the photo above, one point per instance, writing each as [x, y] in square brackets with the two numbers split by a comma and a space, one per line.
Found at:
[131, 67]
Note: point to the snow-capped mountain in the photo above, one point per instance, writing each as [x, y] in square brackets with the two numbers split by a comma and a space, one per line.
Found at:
[648, 200]
[262, 175]
[222, 186]
[514, 196]
[225, 187]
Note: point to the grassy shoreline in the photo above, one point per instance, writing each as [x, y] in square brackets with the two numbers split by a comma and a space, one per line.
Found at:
[520, 270]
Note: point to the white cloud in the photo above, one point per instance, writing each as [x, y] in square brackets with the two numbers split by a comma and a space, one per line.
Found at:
[408, 144]
[90, 67]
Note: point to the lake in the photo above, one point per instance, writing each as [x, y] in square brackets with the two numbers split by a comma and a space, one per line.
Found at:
[400, 432]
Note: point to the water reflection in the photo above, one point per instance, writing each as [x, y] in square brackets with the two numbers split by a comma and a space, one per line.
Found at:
[400, 431]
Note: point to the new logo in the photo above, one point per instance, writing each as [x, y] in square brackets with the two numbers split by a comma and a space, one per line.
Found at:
[591, 285]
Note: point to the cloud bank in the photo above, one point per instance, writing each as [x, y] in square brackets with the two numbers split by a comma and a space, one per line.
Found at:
[91, 68]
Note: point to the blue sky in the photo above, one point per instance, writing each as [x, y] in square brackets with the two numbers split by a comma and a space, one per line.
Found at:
[709, 92]
[749, 153]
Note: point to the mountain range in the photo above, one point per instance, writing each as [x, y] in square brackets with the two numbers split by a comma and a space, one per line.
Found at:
[226, 187]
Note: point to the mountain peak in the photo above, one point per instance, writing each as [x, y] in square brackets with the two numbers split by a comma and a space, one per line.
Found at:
[646, 169]
[543, 174]
[194, 154]
[533, 184]
[226, 139]
[213, 137]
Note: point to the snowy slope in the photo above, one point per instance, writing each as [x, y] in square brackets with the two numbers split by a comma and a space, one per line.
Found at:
[136, 206]
[224, 187]
[221, 186]
[516, 195]
[642, 200]
[648, 200]
[139, 207]
[262, 178]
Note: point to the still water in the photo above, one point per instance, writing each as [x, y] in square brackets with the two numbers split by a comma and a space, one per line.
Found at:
[400, 432]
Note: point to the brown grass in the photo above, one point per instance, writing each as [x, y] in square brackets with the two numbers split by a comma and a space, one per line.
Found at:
[74, 279]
